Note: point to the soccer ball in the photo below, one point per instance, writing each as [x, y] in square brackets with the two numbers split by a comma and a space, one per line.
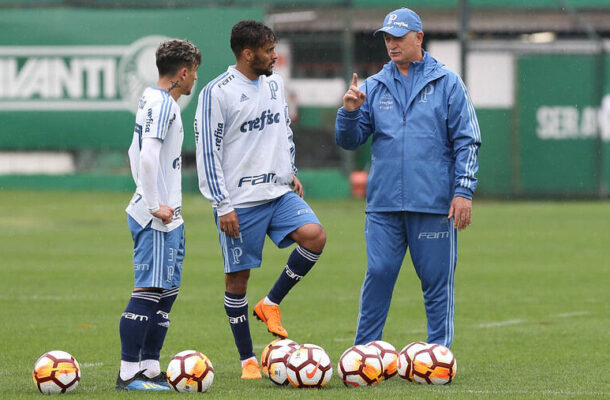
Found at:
[277, 360]
[389, 357]
[309, 367]
[434, 365]
[277, 343]
[56, 372]
[405, 359]
[190, 371]
[360, 366]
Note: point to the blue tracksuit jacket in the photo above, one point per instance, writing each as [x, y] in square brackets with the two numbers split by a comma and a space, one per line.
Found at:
[423, 152]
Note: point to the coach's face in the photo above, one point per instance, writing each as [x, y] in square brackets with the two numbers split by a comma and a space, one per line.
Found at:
[405, 49]
[264, 59]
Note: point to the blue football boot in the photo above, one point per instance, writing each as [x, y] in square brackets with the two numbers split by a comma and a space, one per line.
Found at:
[140, 382]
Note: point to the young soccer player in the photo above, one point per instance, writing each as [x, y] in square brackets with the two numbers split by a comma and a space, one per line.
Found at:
[154, 217]
[245, 163]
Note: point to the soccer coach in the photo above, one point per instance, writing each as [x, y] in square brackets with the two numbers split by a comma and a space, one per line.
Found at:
[423, 162]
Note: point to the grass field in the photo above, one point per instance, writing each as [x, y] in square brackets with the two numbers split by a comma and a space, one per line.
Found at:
[532, 298]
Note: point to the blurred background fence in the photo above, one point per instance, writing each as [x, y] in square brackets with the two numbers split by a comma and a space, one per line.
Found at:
[538, 72]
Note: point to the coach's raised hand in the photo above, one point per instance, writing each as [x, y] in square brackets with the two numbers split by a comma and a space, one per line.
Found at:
[354, 97]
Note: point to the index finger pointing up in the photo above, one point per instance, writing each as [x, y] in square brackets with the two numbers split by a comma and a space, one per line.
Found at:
[355, 79]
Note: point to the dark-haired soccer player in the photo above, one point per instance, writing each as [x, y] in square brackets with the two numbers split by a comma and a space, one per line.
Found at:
[245, 162]
[154, 217]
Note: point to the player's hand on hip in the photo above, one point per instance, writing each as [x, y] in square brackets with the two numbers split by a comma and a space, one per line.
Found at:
[297, 186]
[229, 224]
[165, 213]
[461, 211]
[354, 97]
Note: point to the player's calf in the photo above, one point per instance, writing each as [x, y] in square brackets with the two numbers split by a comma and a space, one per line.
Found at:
[133, 326]
[155, 336]
[236, 307]
[300, 262]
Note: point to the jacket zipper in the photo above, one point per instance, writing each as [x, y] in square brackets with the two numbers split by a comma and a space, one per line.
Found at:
[402, 160]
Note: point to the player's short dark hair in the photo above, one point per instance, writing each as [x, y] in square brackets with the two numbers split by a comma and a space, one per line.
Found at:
[175, 54]
[250, 34]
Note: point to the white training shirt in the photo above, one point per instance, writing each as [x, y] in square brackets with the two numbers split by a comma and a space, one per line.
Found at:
[157, 118]
[244, 146]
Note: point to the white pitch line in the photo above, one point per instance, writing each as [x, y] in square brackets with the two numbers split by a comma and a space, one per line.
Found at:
[97, 364]
[520, 320]
[571, 314]
[501, 323]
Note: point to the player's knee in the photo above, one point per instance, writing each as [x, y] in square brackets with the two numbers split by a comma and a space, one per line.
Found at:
[319, 239]
[312, 237]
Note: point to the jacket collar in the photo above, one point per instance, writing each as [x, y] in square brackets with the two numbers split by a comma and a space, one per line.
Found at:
[432, 70]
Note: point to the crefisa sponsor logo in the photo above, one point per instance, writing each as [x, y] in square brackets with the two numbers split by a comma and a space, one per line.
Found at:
[78, 78]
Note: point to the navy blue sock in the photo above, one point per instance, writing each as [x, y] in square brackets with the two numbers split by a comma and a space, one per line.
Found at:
[299, 263]
[236, 306]
[158, 326]
[134, 323]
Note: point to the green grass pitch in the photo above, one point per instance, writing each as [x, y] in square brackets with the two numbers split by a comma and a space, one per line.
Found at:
[532, 298]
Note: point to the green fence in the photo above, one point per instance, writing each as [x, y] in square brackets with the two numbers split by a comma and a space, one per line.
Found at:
[70, 78]
[558, 144]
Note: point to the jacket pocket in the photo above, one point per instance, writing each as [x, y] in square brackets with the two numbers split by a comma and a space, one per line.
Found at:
[421, 145]
[384, 186]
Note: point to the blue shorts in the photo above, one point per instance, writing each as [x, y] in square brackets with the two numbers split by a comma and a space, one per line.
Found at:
[277, 218]
[157, 256]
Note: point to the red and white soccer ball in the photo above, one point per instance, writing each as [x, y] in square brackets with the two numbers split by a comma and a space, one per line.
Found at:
[190, 371]
[405, 359]
[56, 372]
[277, 362]
[309, 367]
[389, 357]
[277, 343]
[360, 366]
[434, 365]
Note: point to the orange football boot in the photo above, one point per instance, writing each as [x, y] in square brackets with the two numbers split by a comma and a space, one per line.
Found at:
[270, 315]
[250, 370]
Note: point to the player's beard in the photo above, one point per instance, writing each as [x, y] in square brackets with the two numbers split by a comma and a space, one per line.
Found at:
[260, 68]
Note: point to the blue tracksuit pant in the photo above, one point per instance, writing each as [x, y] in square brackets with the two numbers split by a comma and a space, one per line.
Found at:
[433, 246]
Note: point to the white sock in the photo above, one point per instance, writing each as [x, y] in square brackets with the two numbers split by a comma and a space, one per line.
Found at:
[128, 369]
[151, 367]
[243, 362]
[269, 302]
